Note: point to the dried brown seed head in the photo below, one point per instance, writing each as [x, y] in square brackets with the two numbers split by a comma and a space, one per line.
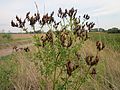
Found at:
[89, 59]
[71, 67]
[27, 15]
[12, 24]
[26, 49]
[100, 45]
[66, 40]
[86, 16]
[94, 71]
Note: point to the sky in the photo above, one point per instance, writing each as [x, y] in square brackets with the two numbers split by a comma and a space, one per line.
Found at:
[105, 13]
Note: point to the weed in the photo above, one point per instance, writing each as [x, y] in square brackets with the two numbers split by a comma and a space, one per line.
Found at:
[56, 51]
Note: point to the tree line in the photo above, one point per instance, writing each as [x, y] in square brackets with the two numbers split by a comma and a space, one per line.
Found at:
[111, 30]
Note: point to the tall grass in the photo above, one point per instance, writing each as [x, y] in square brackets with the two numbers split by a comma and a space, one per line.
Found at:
[111, 40]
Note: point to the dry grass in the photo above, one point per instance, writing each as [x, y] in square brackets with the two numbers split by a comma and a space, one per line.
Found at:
[27, 76]
[108, 68]
[22, 36]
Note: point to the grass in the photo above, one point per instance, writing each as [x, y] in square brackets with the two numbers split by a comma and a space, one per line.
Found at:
[7, 70]
[64, 60]
[111, 40]
[15, 39]
[19, 69]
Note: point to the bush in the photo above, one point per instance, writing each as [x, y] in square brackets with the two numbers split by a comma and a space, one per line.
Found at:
[57, 58]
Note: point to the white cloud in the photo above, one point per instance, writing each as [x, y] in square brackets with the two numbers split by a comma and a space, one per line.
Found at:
[110, 7]
[96, 8]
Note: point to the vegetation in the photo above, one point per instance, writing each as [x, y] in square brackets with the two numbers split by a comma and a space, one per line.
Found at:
[66, 57]
[112, 30]
[111, 40]
[9, 40]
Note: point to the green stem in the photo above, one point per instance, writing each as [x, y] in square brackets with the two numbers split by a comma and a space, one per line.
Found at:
[54, 80]
[65, 84]
[80, 84]
[71, 24]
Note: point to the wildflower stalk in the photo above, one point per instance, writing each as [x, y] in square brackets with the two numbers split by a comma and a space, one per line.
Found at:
[80, 84]
[65, 83]
[70, 23]
[64, 42]
[54, 80]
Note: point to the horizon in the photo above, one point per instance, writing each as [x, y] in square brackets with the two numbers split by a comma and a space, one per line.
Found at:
[104, 13]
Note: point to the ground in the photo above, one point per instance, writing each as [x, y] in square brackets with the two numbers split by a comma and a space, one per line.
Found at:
[108, 69]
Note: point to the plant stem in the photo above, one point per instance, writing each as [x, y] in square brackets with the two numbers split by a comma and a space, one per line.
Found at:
[65, 84]
[54, 80]
[80, 84]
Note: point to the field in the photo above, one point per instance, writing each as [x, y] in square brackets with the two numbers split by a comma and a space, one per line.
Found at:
[111, 40]
[8, 40]
[22, 70]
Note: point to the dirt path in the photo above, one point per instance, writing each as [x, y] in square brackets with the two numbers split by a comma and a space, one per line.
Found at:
[9, 50]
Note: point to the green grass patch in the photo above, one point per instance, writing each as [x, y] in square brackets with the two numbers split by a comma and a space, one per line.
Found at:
[111, 40]
[7, 70]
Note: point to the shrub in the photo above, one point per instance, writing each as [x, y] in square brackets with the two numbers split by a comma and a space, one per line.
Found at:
[57, 58]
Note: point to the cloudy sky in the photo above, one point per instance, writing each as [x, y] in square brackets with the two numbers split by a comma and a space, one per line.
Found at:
[105, 13]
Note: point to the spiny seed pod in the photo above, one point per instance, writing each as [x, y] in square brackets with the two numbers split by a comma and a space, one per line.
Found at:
[16, 25]
[95, 62]
[23, 23]
[26, 49]
[18, 19]
[52, 14]
[62, 14]
[56, 24]
[12, 24]
[32, 21]
[60, 11]
[75, 12]
[70, 13]
[100, 45]
[15, 48]
[76, 22]
[47, 19]
[63, 36]
[49, 36]
[43, 39]
[89, 59]
[71, 67]
[65, 39]
[50, 20]
[93, 72]
[69, 42]
[78, 27]
[20, 24]
[86, 35]
[90, 25]
[86, 16]
[27, 15]
[37, 17]
[66, 11]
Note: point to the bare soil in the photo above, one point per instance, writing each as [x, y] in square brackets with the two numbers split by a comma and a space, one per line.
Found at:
[9, 50]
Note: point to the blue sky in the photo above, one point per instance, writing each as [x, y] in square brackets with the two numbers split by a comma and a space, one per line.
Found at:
[105, 13]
